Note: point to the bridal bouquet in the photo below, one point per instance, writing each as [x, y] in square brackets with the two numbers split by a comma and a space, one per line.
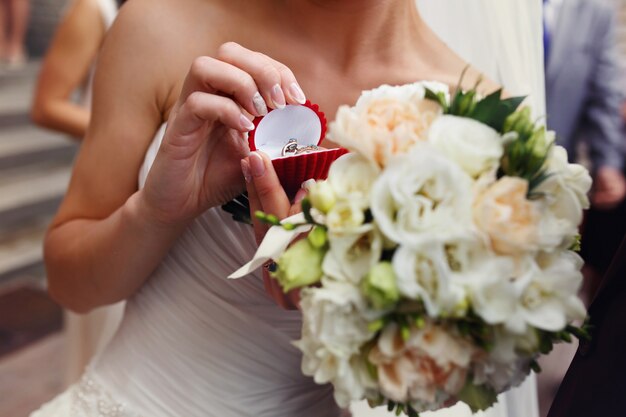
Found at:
[441, 258]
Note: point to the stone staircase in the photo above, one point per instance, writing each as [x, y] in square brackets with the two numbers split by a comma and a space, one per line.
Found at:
[35, 168]
[44, 15]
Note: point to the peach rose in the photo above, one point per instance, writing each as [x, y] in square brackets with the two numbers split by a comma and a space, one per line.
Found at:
[431, 361]
[510, 220]
[386, 121]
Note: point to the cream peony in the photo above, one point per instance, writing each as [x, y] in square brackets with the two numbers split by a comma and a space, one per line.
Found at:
[385, 121]
[433, 360]
[423, 198]
[503, 213]
[476, 147]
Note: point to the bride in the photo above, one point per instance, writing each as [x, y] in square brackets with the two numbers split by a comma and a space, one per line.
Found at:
[142, 222]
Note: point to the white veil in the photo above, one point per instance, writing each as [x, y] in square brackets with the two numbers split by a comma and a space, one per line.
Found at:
[504, 40]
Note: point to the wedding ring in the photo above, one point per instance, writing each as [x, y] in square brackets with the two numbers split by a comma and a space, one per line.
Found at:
[291, 148]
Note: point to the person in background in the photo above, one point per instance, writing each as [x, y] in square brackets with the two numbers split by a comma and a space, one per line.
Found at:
[62, 97]
[66, 70]
[584, 93]
[13, 23]
[595, 382]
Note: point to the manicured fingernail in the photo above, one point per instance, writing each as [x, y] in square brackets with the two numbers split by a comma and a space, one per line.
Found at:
[278, 97]
[306, 185]
[257, 165]
[296, 93]
[245, 169]
[245, 123]
[259, 104]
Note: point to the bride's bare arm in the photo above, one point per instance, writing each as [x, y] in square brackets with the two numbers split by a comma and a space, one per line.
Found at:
[107, 237]
[101, 246]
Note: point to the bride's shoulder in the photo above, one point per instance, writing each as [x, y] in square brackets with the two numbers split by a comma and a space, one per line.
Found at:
[447, 66]
[455, 71]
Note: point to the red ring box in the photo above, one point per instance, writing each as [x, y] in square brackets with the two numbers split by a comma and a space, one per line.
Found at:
[305, 123]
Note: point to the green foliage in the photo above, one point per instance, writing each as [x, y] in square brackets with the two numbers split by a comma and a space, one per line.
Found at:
[526, 145]
[492, 110]
[379, 286]
[477, 397]
[400, 408]
[575, 246]
[548, 339]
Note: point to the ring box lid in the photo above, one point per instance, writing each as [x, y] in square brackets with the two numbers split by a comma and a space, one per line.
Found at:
[305, 123]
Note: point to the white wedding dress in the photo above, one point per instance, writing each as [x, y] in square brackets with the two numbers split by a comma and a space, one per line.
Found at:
[194, 344]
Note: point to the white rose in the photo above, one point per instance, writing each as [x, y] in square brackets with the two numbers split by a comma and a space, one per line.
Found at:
[351, 177]
[503, 368]
[487, 279]
[334, 329]
[334, 316]
[501, 376]
[350, 377]
[322, 196]
[476, 147]
[426, 275]
[565, 196]
[407, 92]
[345, 216]
[550, 300]
[384, 122]
[539, 293]
[504, 213]
[423, 198]
[351, 255]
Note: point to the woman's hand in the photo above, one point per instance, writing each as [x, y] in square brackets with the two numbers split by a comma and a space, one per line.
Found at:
[198, 164]
[267, 195]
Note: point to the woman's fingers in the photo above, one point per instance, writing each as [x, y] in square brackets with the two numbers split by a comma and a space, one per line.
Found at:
[260, 228]
[199, 108]
[270, 194]
[275, 81]
[211, 75]
[251, 80]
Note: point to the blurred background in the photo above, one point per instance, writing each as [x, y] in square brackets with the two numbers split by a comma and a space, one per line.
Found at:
[35, 166]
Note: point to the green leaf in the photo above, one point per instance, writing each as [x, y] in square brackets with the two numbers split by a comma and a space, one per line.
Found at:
[437, 97]
[576, 244]
[477, 397]
[412, 412]
[534, 365]
[376, 325]
[493, 110]
[306, 210]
